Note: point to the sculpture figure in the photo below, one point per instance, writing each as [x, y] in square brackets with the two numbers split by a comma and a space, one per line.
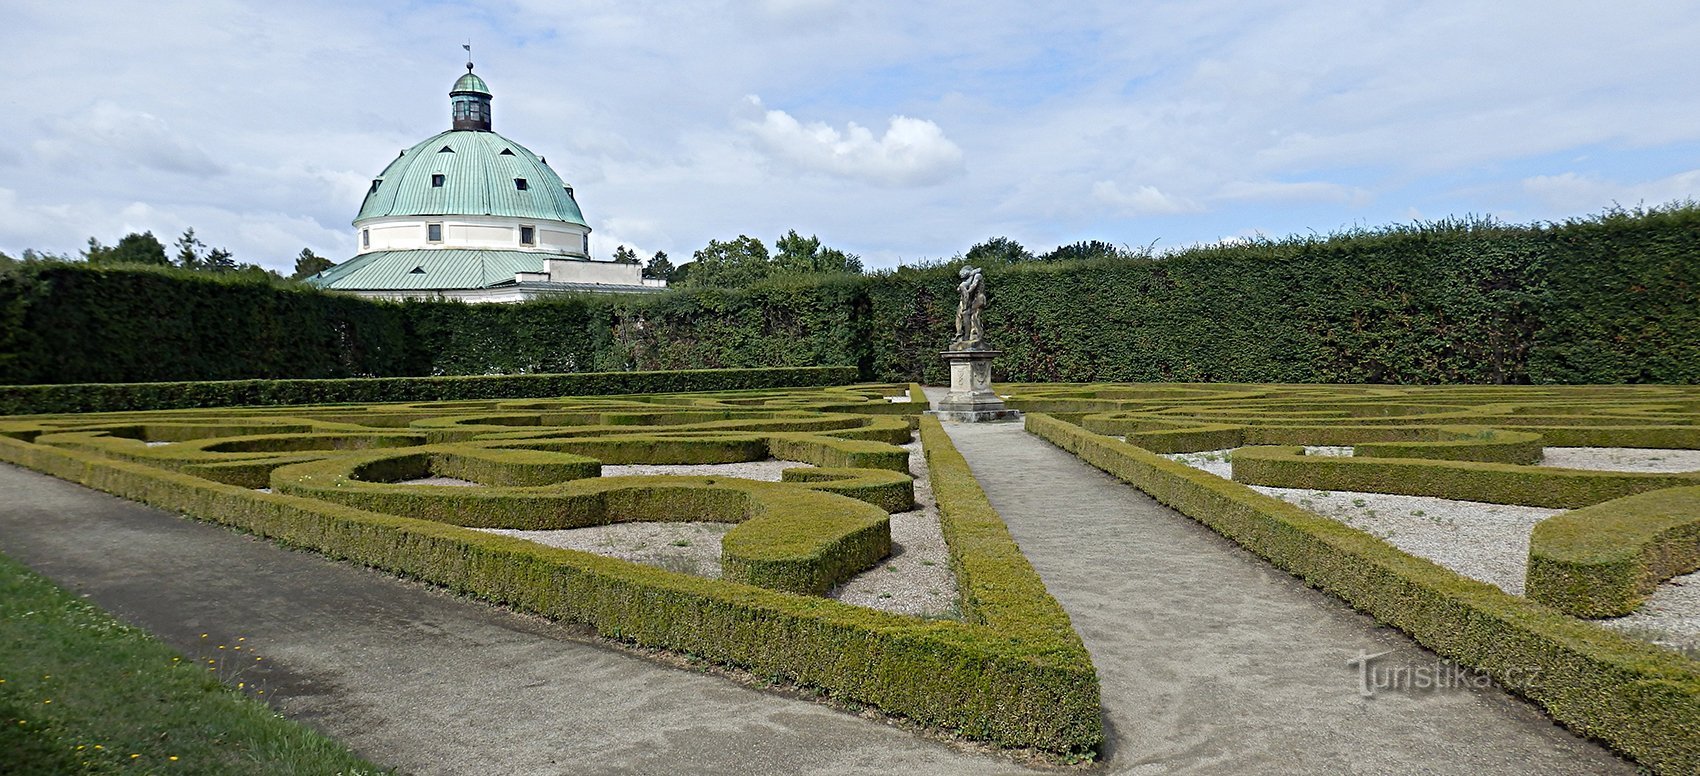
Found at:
[970, 329]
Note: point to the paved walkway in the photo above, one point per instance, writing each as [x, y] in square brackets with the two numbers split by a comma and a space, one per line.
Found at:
[424, 681]
[1213, 661]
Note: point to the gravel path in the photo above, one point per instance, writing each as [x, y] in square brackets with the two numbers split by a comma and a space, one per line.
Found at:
[1213, 661]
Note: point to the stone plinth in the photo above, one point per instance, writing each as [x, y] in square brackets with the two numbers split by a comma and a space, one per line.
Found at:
[971, 397]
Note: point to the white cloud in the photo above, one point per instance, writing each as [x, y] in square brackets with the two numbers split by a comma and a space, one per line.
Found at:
[1142, 201]
[118, 135]
[912, 152]
[1573, 192]
[1303, 191]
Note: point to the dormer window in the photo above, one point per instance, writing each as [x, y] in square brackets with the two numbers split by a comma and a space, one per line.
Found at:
[445, 150]
[437, 181]
[506, 152]
[375, 182]
[520, 184]
[528, 235]
[434, 233]
[416, 271]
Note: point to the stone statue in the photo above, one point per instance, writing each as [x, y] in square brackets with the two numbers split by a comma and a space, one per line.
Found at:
[970, 329]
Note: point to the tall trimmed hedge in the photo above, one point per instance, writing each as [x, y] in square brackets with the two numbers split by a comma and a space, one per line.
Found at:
[1614, 298]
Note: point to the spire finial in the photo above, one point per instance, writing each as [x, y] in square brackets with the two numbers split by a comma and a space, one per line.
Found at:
[468, 46]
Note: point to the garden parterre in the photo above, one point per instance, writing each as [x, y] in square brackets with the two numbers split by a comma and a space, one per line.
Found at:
[334, 478]
[1624, 533]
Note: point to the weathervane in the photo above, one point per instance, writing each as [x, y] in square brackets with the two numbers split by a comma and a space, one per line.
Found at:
[468, 46]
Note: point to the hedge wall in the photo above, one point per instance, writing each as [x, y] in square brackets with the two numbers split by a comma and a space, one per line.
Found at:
[1614, 298]
[112, 397]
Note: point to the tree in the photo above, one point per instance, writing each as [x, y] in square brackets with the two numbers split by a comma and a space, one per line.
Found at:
[730, 264]
[624, 255]
[218, 260]
[134, 248]
[190, 250]
[309, 264]
[998, 251]
[659, 267]
[194, 254]
[6, 261]
[1083, 250]
[805, 254]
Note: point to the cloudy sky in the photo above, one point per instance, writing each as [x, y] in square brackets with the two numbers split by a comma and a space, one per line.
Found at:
[898, 131]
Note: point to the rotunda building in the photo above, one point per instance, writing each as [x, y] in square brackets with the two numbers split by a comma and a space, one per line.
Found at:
[469, 214]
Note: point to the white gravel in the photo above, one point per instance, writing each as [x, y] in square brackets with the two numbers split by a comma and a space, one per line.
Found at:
[1490, 542]
[1622, 459]
[688, 548]
[765, 471]
[916, 578]
[1486, 542]
[442, 481]
[1671, 618]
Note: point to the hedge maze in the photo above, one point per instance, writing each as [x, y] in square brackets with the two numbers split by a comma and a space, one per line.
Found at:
[343, 479]
[1625, 532]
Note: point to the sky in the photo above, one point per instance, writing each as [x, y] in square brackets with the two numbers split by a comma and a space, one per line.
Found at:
[901, 132]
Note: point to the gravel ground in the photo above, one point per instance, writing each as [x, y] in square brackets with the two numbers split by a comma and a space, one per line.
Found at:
[443, 481]
[688, 548]
[1622, 459]
[1670, 618]
[1490, 542]
[915, 579]
[765, 471]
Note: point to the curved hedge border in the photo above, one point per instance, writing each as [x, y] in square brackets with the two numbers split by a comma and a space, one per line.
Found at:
[111, 397]
[1493, 483]
[1604, 560]
[1013, 673]
[785, 539]
[1638, 699]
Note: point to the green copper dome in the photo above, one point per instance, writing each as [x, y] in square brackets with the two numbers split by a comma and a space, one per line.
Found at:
[483, 174]
[470, 83]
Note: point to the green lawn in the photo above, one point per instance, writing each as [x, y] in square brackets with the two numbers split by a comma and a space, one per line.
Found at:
[81, 692]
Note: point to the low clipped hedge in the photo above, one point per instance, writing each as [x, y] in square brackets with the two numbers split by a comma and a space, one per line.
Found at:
[999, 587]
[802, 541]
[1289, 467]
[1604, 560]
[1012, 673]
[1638, 699]
[111, 397]
[1462, 443]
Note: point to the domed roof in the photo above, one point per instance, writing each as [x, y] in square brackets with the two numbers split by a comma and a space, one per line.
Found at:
[470, 83]
[484, 174]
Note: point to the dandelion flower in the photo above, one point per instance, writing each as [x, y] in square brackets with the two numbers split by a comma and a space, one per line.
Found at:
[174, 758]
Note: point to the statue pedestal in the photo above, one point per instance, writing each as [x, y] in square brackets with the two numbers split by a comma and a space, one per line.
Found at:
[971, 398]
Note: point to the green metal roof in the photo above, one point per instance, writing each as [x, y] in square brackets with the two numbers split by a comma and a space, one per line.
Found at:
[478, 179]
[442, 268]
[471, 83]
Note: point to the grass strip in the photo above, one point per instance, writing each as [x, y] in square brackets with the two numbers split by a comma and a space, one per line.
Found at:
[82, 693]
